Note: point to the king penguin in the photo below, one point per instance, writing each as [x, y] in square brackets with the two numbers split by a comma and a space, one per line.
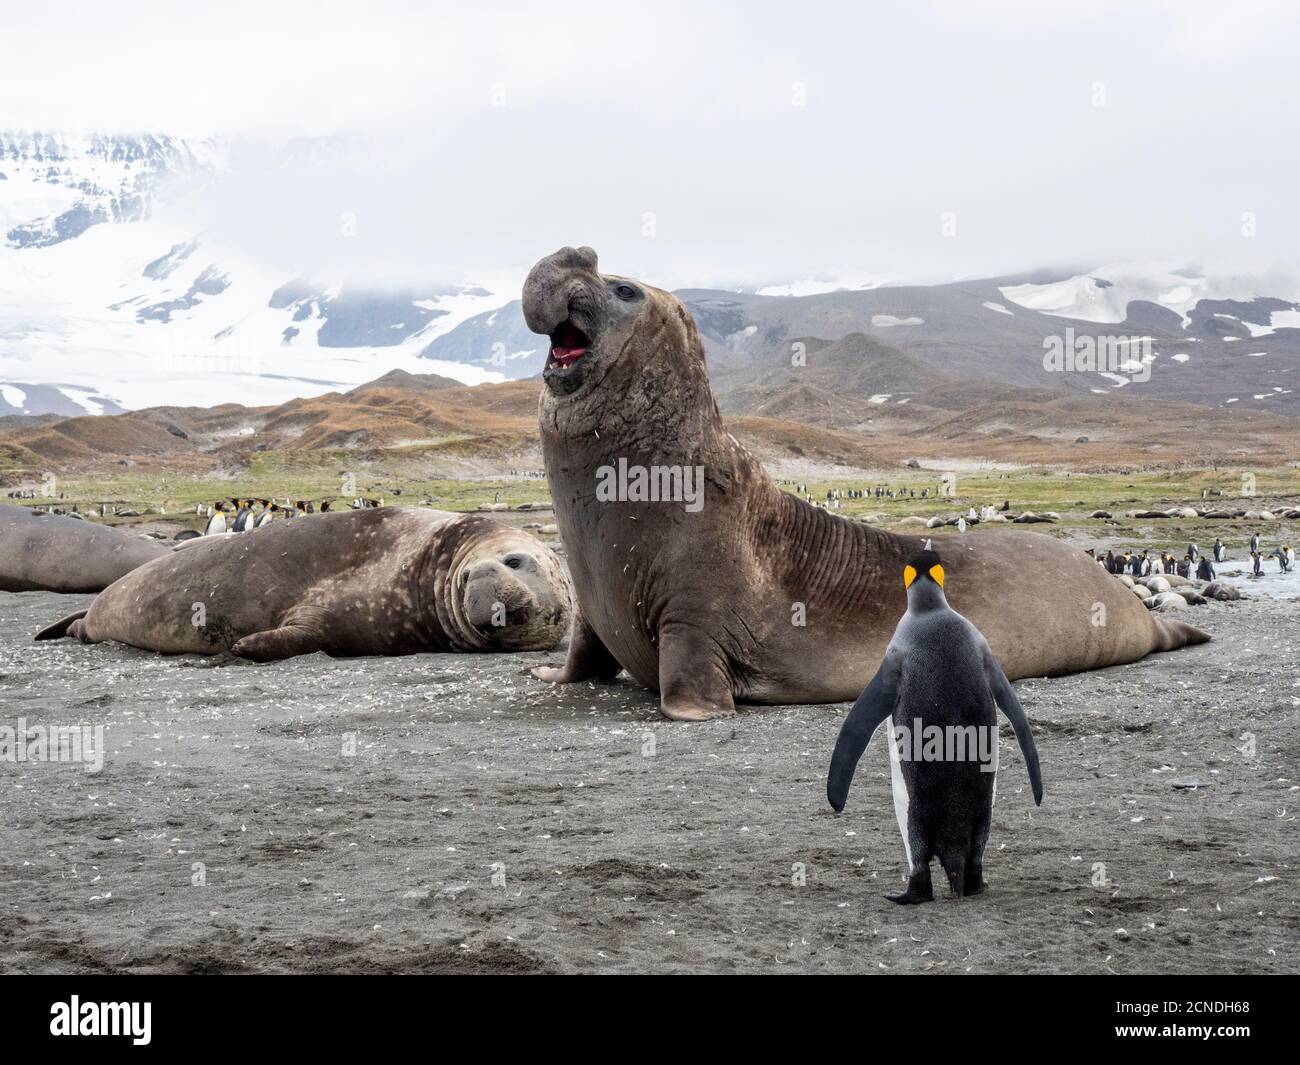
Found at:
[217, 523]
[243, 510]
[938, 675]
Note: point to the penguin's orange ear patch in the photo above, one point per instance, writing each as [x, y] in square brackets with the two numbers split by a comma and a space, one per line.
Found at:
[937, 573]
[909, 575]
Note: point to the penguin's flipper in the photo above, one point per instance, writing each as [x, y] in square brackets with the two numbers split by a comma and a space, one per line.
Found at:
[874, 705]
[60, 628]
[1005, 696]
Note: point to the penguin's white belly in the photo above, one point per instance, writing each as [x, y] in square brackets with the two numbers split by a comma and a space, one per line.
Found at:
[901, 799]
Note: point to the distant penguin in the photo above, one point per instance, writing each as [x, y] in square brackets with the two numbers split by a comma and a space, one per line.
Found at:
[1283, 562]
[267, 516]
[1193, 552]
[217, 523]
[961, 524]
[324, 506]
[938, 675]
[1220, 552]
[1109, 562]
[1258, 564]
[1184, 568]
[1135, 565]
[1254, 543]
[1204, 571]
[243, 512]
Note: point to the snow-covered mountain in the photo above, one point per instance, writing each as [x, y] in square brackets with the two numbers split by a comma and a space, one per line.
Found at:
[112, 297]
[114, 294]
[1106, 295]
[1179, 332]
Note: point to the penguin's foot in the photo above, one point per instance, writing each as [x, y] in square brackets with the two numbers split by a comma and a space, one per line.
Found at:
[919, 889]
[910, 897]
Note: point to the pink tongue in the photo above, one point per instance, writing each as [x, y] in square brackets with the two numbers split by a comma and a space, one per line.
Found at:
[566, 355]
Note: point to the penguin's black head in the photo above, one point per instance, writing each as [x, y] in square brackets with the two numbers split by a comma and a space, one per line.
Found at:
[924, 565]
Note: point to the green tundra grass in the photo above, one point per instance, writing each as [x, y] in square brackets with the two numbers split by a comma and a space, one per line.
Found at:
[1073, 495]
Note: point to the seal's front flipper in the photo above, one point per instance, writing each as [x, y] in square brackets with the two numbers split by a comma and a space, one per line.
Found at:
[61, 627]
[1006, 698]
[693, 681]
[275, 644]
[1172, 634]
[588, 658]
[874, 705]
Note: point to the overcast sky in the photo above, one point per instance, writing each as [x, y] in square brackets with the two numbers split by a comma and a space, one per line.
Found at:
[705, 143]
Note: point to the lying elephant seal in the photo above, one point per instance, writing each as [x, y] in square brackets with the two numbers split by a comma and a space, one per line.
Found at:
[49, 553]
[702, 579]
[380, 581]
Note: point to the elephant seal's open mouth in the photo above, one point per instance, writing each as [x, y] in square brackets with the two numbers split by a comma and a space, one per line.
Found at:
[568, 345]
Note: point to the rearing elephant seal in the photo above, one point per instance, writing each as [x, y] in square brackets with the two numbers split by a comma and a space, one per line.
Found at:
[702, 579]
[51, 553]
[383, 581]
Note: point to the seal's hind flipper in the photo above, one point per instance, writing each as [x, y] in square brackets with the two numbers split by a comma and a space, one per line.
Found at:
[275, 644]
[60, 628]
[873, 706]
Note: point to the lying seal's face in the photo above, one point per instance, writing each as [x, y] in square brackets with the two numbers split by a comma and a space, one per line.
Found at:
[589, 317]
[511, 591]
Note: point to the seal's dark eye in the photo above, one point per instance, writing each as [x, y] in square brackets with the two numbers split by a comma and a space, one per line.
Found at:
[625, 292]
[514, 562]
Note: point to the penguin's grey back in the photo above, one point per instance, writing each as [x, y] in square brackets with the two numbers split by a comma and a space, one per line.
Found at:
[942, 669]
[943, 682]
